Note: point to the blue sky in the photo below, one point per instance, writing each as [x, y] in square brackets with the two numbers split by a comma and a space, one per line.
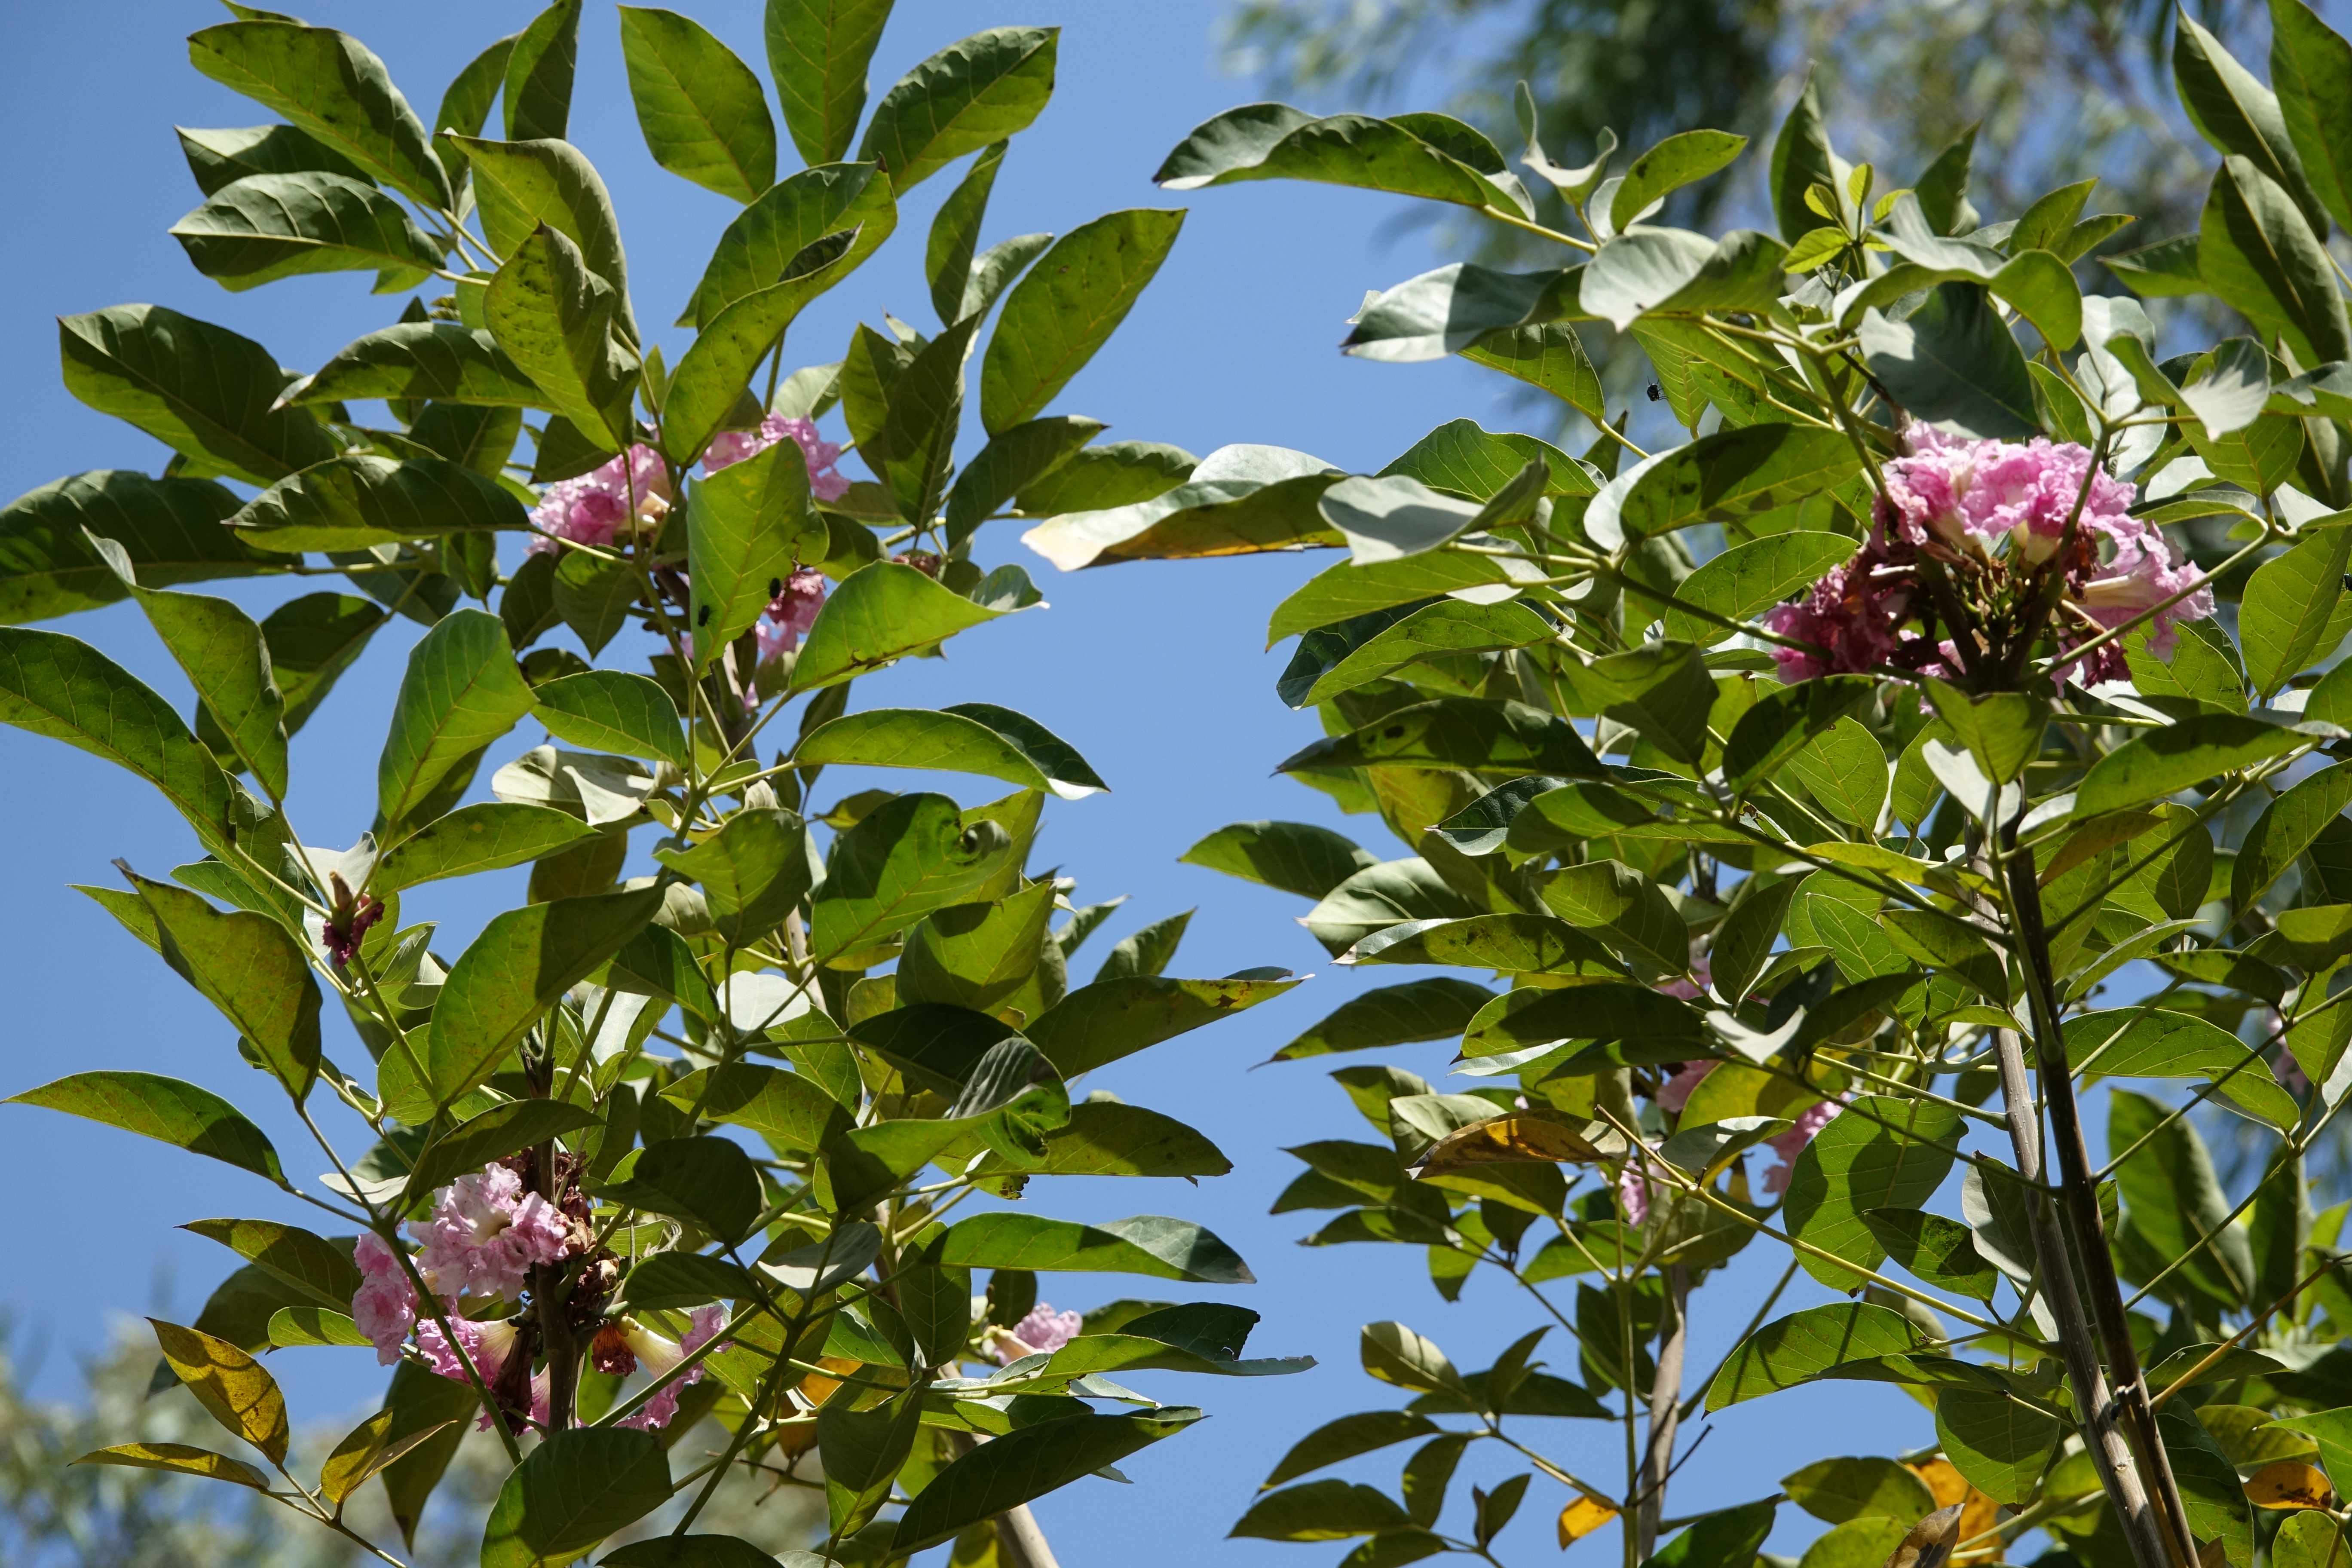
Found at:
[1156, 672]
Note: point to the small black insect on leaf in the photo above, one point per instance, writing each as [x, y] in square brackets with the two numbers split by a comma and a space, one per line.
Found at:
[702, 615]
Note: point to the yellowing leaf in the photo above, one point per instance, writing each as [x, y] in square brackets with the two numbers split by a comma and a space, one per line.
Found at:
[1979, 1512]
[1516, 1139]
[1930, 1542]
[371, 1446]
[1582, 1518]
[229, 1383]
[182, 1459]
[2288, 1484]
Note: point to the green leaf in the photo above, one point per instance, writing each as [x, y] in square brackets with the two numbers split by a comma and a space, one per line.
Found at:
[230, 1385]
[1098, 1024]
[2288, 826]
[911, 445]
[181, 1460]
[914, 854]
[1347, 1437]
[674, 1280]
[1730, 474]
[703, 113]
[461, 692]
[1845, 771]
[1275, 142]
[1388, 517]
[1107, 1138]
[539, 73]
[747, 526]
[714, 375]
[169, 528]
[221, 158]
[2159, 1043]
[225, 659]
[1546, 355]
[882, 612]
[1997, 1441]
[2256, 251]
[420, 1400]
[948, 741]
[1938, 1250]
[1067, 309]
[1458, 732]
[441, 360]
[1010, 465]
[1294, 857]
[1838, 1491]
[954, 238]
[818, 51]
[1379, 896]
[554, 317]
[1678, 161]
[1508, 944]
[2311, 68]
[982, 89]
[494, 1134]
[764, 240]
[487, 836]
[1456, 308]
[164, 1109]
[331, 86]
[1025, 1464]
[2287, 607]
[709, 1180]
[786, 1107]
[359, 500]
[1883, 1153]
[1347, 590]
[1953, 363]
[861, 1451]
[201, 390]
[1435, 1009]
[512, 974]
[268, 226]
[1147, 1243]
[1748, 578]
[753, 870]
[2159, 762]
[1669, 272]
[466, 103]
[1322, 1510]
[1725, 1539]
[612, 710]
[571, 1492]
[525, 185]
[56, 686]
[2217, 1502]
[1804, 1345]
[2173, 1201]
[1236, 500]
[319, 1269]
[2237, 114]
[247, 966]
[1802, 159]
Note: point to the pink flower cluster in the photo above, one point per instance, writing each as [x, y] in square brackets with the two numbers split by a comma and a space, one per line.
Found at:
[1633, 1182]
[658, 1355]
[731, 446]
[631, 490]
[1995, 512]
[791, 613]
[483, 1232]
[1042, 1332]
[483, 1236]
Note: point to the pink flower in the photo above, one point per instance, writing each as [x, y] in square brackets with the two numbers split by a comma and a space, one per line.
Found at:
[731, 446]
[1792, 1143]
[658, 1355]
[2141, 575]
[385, 1305]
[1953, 488]
[632, 489]
[483, 1232]
[1634, 1188]
[791, 613]
[1676, 1092]
[487, 1345]
[1042, 1332]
